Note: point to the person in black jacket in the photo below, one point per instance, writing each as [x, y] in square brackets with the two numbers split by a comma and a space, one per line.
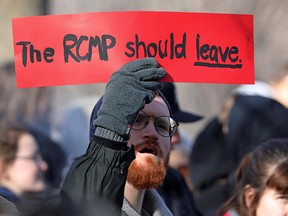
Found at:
[174, 190]
[253, 116]
[134, 121]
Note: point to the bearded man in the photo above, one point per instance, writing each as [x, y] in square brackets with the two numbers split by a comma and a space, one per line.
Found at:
[130, 144]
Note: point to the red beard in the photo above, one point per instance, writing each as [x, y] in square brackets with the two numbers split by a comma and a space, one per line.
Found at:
[147, 174]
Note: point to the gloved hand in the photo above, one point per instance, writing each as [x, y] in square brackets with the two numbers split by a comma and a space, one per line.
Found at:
[127, 92]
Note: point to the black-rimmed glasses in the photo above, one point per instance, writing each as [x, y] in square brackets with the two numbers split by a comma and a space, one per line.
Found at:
[164, 125]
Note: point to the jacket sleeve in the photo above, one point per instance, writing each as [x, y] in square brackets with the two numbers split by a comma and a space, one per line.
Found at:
[99, 174]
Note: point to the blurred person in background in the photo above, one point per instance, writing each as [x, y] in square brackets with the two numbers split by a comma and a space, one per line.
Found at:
[179, 157]
[209, 164]
[31, 110]
[174, 190]
[70, 135]
[55, 157]
[22, 168]
[261, 182]
[252, 114]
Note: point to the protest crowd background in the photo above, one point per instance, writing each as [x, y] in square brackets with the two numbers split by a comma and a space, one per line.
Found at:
[269, 40]
[53, 112]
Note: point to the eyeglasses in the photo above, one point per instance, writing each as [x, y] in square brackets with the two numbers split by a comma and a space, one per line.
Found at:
[164, 125]
[35, 157]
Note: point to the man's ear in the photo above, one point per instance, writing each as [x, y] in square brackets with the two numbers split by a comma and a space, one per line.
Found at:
[249, 193]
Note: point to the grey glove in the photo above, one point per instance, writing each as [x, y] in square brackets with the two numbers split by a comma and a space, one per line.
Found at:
[127, 92]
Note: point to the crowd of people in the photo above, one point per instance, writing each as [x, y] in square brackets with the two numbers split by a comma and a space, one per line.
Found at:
[237, 165]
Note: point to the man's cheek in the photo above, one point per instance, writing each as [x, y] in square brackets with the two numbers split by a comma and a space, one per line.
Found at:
[166, 148]
[166, 162]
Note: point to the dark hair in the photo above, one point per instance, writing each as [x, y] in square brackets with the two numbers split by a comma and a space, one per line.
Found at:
[53, 154]
[255, 170]
[9, 138]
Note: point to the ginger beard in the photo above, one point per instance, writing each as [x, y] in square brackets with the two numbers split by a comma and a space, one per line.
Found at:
[147, 172]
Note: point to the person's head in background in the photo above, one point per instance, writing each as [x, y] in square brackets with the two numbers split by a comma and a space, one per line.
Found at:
[53, 154]
[169, 91]
[262, 182]
[279, 84]
[21, 165]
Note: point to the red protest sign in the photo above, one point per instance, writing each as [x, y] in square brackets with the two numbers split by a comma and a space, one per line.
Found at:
[88, 48]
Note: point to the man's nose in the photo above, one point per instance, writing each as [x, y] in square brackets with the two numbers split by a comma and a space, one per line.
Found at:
[150, 129]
